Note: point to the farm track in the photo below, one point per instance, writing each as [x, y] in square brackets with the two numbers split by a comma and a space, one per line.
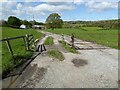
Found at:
[95, 67]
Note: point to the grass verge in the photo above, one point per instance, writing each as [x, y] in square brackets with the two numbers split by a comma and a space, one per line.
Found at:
[18, 48]
[95, 34]
[67, 47]
[56, 54]
[49, 41]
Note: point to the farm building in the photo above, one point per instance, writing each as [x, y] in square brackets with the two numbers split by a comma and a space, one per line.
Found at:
[39, 27]
[23, 26]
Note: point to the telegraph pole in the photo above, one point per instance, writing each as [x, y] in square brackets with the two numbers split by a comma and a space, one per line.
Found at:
[33, 20]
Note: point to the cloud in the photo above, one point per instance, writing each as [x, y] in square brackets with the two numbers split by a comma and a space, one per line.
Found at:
[21, 9]
[101, 6]
[49, 8]
[19, 6]
[10, 7]
[78, 2]
[48, 1]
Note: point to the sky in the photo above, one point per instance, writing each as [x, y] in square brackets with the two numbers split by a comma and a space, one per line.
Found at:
[69, 10]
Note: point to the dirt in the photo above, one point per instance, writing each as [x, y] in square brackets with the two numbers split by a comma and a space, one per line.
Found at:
[79, 62]
[39, 74]
[118, 81]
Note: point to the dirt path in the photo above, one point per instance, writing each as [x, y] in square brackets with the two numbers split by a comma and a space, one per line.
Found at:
[95, 67]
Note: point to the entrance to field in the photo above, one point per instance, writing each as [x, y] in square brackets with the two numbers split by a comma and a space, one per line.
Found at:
[88, 46]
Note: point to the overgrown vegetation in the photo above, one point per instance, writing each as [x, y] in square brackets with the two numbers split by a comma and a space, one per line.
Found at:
[56, 54]
[18, 48]
[49, 41]
[68, 47]
[104, 37]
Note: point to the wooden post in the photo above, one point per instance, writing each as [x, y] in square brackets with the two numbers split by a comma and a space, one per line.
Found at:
[44, 47]
[41, 48]
[24, 43]
[27, 41]
[9, 47]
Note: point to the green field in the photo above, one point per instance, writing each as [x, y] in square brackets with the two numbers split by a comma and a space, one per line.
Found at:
[105, 37]
[17, 46]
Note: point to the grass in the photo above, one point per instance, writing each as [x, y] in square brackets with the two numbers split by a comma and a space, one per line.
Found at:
[105, 37]
[91, 28]
[17, 46]
[67, 47]
[56, 54]
[49, 41]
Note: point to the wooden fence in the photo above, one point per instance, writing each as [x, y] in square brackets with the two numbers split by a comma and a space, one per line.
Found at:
[28, 41]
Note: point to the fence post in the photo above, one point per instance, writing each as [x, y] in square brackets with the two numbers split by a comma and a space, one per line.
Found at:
[24, 43]
[44, 47]
[27, 41]
[10, 49]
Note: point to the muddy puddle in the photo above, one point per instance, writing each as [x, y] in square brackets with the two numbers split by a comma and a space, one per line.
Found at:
[79, 62]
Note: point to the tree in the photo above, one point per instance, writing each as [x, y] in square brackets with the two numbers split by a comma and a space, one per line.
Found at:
[28, 24]
[54, 21]
[14, 22]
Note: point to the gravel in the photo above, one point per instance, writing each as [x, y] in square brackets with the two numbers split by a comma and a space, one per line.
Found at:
[93, 68]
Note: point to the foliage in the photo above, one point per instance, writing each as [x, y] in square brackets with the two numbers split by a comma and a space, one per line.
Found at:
[105, 24]
[104, 37]
[14, 22]
[54, 21]
[36, 23]
[28, 24]
[68, 47]
[56, 54]
[17, 46]
[49, 41]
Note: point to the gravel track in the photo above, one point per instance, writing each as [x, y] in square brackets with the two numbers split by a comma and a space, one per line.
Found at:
[96, 67]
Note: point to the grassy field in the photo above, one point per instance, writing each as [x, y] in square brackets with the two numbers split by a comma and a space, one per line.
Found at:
[68, 47]
[17, 46]
[49, 41]
[56, 54]
[94, 34]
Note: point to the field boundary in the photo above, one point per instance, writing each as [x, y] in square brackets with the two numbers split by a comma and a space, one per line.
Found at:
[28, 39]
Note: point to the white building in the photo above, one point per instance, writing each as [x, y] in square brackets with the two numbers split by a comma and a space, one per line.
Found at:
[23, 26]
[39, 27]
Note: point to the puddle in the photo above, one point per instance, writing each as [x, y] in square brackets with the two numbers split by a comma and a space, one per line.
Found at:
[79, 62]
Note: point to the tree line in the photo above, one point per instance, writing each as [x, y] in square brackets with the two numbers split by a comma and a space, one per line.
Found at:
[106, 24]
[54, 21]
[16, 22]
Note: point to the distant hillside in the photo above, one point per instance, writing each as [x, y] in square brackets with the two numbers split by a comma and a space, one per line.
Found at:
[102, 23]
